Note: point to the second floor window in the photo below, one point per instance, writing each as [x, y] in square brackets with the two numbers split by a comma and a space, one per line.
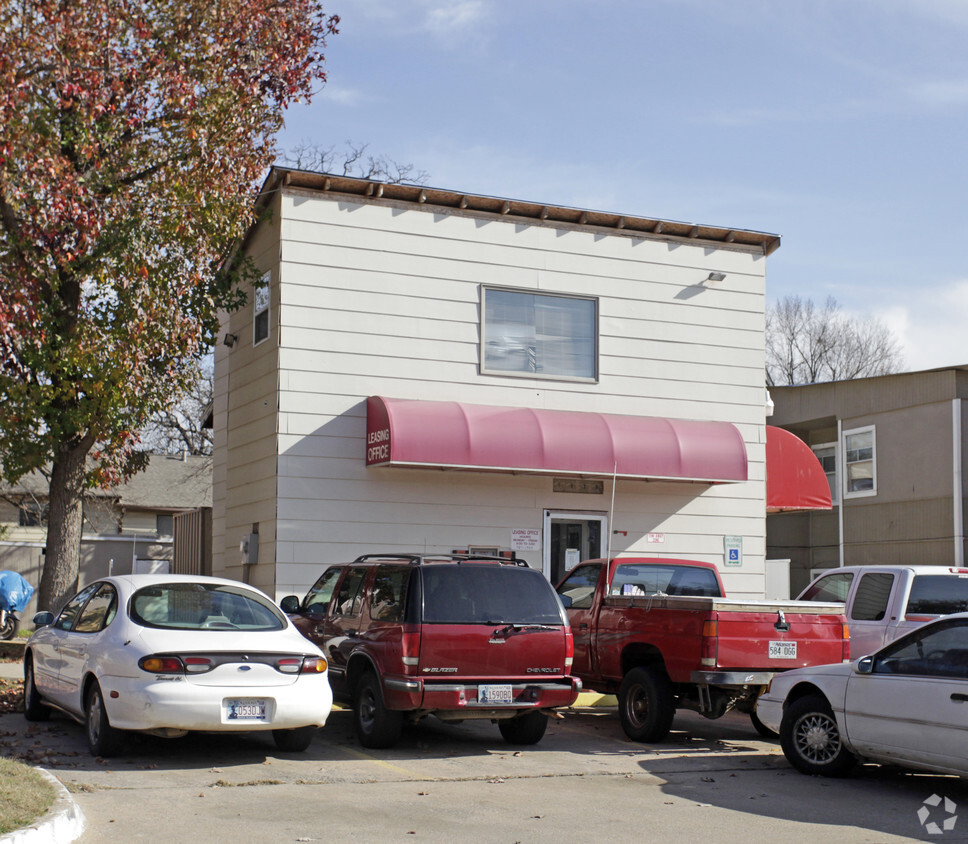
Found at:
[860, 476]
[261, 311]
[539, 334]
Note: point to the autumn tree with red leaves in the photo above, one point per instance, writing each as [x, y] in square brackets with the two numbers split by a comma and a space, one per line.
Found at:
[133, 135]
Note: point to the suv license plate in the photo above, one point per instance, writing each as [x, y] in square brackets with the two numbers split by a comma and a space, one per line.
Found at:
[244, 709]
[495, 694]
[783, 650]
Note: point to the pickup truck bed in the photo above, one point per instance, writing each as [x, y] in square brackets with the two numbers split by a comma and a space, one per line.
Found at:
[709, 653]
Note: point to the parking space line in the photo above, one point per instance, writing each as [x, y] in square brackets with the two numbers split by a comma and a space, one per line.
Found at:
[367, 758]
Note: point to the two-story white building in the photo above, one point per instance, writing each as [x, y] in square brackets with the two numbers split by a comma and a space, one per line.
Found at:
[430, 371]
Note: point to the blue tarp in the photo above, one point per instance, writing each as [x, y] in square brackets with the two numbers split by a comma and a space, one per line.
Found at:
[15, 592]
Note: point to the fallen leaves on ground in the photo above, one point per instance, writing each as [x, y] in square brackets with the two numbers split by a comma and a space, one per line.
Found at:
[11, 696]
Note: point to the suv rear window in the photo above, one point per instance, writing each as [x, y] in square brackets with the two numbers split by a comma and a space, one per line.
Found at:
[938, 594]
[488, 594]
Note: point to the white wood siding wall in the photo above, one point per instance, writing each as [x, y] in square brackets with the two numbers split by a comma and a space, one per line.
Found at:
[384, 299]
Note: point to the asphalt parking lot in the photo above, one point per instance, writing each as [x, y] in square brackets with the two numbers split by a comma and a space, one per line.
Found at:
[712, 779]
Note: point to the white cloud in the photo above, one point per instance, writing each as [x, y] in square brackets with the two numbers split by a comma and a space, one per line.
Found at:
[341, 95]
[445, 18]
[931, 325]
[940, 93]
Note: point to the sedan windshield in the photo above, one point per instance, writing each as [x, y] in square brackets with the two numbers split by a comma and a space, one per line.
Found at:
[203, 606]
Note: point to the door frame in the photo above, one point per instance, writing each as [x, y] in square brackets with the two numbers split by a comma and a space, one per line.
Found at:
[570, 515]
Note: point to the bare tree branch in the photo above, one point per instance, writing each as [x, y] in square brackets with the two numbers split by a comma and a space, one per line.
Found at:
[353, 160]
[806, 344]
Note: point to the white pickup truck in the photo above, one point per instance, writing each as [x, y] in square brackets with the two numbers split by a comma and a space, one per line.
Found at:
[884, 602]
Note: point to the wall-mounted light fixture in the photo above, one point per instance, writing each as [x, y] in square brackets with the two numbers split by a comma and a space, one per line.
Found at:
[713, 280]
[230, 340]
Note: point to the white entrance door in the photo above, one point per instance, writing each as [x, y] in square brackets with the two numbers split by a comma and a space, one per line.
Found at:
[572, 536]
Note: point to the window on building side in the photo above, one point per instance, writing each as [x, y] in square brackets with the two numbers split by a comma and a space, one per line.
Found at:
[860, 475]
[261, 311]
[165, 524]
[827, 455]
[538, 334]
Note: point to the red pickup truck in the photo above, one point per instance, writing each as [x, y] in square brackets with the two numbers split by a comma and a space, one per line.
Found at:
[660, 634]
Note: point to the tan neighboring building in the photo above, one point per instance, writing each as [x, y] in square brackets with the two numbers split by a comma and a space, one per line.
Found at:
[893, 449]
[127, 529]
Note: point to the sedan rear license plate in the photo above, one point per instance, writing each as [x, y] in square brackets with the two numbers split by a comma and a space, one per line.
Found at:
[783, 650]
[244, 709]
[495, 694]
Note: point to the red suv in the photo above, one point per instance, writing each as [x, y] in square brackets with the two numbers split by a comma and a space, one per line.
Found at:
[456, 636]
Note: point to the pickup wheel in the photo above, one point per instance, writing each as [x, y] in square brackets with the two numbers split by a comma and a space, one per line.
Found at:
[526, 729]
[811, 740]
[646, 705]
[376, 726]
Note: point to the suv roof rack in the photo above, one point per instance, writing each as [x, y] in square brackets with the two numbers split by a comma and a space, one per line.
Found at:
[420, 559]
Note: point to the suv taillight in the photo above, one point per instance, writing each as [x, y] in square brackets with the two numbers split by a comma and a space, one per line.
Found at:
[569, 650]
[410, 645]
[845, 633]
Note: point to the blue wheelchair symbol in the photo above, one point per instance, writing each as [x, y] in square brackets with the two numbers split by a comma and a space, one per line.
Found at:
[734, 554]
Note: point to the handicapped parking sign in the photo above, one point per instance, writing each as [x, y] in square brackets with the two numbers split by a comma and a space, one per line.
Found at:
[733, 546]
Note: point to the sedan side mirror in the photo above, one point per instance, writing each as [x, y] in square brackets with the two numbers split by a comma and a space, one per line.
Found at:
[865, 665]
[290, 604]
[43, 619]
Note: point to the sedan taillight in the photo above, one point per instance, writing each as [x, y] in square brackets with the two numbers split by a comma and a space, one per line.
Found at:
[162, 664]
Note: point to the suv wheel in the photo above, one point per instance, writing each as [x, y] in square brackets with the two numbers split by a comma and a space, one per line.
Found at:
[376, 726]
[526, 729]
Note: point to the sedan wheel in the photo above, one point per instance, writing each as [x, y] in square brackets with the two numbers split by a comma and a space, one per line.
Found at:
[811, 739]
[102, 738]
[34, 707]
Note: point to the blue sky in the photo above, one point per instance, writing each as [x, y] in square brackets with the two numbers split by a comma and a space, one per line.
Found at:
[841, 125]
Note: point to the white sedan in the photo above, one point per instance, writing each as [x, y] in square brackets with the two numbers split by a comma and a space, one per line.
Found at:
[169, 654]
[906, 704]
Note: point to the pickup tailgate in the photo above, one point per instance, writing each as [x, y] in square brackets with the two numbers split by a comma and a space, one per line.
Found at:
[776, 635]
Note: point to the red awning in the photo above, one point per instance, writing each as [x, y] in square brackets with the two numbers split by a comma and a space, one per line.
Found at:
[453, 435]
[795, 480]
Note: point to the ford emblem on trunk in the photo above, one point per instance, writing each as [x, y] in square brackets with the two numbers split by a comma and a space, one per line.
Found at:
[245, 668]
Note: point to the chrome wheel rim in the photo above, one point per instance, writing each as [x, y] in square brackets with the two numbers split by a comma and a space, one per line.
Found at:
[817, 738]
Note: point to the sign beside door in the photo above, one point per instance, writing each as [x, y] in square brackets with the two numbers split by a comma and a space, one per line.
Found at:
[525, 539]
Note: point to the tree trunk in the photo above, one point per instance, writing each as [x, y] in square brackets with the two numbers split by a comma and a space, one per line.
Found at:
[64, 522]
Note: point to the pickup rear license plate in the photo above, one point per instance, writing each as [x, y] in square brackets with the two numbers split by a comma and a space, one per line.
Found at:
[495, 694]
[244, 709]
[783, 650]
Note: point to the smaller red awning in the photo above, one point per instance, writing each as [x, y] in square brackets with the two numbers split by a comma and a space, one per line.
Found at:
[454, 435]
[795, 480]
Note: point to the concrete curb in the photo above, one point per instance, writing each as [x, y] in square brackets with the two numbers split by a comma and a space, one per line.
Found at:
[63, 822]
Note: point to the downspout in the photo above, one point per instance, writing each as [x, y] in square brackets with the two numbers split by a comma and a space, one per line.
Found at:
[840, 489]
[958, 489]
